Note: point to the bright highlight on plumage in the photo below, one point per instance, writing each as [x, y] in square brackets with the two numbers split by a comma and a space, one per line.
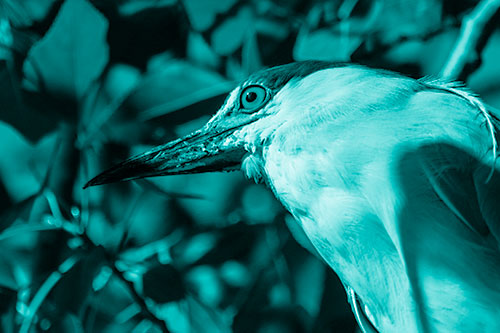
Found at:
[393, 180]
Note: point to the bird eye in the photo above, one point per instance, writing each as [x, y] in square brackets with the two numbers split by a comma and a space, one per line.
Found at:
[253, 97]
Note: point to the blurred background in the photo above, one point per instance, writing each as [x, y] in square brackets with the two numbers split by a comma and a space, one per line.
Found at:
[86, 83]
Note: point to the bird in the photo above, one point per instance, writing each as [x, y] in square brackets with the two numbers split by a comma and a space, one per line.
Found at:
[393, 179]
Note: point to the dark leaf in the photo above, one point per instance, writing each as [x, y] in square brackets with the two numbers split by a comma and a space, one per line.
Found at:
[20, 210]
[24, 13]
[235, 242]
[7, 278]
[63, 164]
[202, 13]
[163, 284]
[104, 99]
[16, 172]
[341, 318]
[205, 319]
[286, 319]
[171, 85]
[7, 299]
[33, 124]
[137, 35]
[72, 292]
[68, 323]
[24, 167]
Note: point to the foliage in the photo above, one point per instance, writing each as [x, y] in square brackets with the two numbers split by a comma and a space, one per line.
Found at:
[86, 83]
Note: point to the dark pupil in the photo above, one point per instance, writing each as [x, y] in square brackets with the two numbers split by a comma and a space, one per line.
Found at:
[251, 96]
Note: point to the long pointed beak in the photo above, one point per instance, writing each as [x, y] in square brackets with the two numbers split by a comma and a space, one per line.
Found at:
[202, 151]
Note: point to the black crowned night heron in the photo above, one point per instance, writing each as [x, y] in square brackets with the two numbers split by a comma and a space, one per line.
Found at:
[392, 179]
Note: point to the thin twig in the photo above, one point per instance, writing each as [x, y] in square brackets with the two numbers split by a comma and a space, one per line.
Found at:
[139, 299]
[468, 42]
[130, 286]
[44, 291]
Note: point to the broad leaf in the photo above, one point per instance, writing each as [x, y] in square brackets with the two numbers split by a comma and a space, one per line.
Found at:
[325, 44]
[16, 172]
[232, 33]
[72, 54]
[202, 13]
[171, 85]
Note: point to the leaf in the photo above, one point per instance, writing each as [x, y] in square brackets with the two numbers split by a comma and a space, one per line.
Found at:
[206, 319]
[286, 318]
[325, 44]
[24, 13]
[12, 105]
[259, 205]
[251, 58]
[16, 173]
[68, 323]
[163, 284]
[199, 52]
[404, 18]
[231, 34]
[171, 85]
[24, 167]
[47, 286]
[131, 7]
[6, 39]
[7, 299]
[7, 276]
[334, 297]
[72, 54]
[300, 236]
[195, 248]
[75, 286]
[309, 279]
[236, 241]
[202, 13]
[20, 210]
[206, 284]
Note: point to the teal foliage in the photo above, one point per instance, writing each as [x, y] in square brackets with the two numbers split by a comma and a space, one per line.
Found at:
[87, 83]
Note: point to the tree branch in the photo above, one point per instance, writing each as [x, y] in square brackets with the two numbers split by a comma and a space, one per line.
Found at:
[468, 42]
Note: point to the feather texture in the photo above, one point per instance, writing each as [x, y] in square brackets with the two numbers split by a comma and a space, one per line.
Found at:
[387, 176]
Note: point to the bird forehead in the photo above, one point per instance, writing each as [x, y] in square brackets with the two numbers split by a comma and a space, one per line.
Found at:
[276, 78]
[322, 86]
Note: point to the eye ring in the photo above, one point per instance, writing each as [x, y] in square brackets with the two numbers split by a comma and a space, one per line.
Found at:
[253, 98]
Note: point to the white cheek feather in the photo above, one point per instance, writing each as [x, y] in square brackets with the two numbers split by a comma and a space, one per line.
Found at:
[252, 167]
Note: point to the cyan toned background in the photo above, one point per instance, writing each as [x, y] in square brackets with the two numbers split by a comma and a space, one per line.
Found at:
[85, 84]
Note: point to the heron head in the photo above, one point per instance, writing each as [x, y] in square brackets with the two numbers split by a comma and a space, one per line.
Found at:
[247, 119]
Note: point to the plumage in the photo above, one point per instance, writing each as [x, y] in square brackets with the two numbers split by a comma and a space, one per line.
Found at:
[393, 180]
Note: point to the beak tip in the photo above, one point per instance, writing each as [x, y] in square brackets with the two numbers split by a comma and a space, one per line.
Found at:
[103, 178]
[92, 182]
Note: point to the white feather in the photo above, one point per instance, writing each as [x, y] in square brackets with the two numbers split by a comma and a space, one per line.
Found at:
[343, 153]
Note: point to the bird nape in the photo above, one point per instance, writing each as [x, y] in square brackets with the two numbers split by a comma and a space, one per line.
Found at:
[393, 180]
